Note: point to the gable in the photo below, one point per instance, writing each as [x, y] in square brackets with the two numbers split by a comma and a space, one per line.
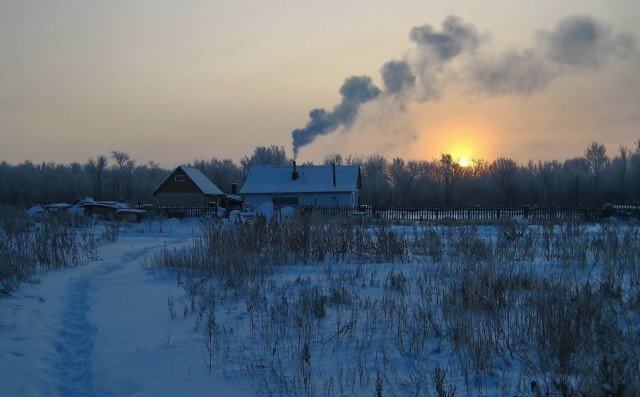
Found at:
[187, 180]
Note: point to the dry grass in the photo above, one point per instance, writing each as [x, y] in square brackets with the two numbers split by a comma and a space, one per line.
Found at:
[26, 247]
[547, 309]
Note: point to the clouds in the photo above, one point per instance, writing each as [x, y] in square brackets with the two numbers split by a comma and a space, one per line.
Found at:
[457, 54]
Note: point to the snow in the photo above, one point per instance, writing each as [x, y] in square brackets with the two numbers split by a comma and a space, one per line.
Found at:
[201, 180]
[57, 207]
[266, 209]
[311, 178]
[130, 211]
[76, 209]
[103, 329]
[112, 204]
[36, 210]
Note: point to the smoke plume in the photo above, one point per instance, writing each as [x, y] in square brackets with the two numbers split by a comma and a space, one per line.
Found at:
[397, 76]
[576, 43]
[455, 37]
[355, 91]
[584, 42]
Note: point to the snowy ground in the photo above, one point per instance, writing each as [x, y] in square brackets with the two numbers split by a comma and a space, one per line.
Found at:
[112, 327]
[104, 329]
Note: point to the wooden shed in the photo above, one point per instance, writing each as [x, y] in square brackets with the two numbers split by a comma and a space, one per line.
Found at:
[187, 186]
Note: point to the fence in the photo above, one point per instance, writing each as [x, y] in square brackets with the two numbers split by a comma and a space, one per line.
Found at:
[179, 211]
[477, 213]
[427, 214]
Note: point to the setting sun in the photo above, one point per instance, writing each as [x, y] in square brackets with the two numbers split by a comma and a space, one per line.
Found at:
[463, 141]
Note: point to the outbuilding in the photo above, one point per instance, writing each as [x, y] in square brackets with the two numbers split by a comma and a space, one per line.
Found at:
[187, 186]
[307, 185]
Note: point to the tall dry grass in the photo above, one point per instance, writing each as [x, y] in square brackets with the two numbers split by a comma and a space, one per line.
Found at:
[513, 308]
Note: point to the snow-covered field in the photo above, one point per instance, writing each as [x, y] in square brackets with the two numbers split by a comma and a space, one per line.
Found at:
[395, 310]
[103, 328]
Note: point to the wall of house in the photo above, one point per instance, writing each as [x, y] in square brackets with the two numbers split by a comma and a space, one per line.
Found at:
[182, 199]
[345, 199]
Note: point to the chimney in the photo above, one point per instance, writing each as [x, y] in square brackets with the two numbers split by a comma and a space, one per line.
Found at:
[294, 173]
[234, 188]
[333, 166]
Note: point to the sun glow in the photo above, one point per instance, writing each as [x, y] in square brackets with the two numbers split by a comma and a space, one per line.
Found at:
[464, 142]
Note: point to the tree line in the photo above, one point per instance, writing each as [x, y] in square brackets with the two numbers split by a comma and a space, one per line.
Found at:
[592, 179]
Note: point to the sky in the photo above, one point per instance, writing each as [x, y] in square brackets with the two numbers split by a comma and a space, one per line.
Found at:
[173, 81]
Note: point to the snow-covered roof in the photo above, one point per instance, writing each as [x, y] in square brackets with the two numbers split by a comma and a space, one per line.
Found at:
[311, 179]
[202, 182]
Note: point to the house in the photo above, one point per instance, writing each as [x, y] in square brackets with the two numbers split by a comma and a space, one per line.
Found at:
[187, 186]
[317, 185]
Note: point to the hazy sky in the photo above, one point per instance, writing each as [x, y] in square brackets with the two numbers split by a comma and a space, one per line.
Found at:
[171, 81]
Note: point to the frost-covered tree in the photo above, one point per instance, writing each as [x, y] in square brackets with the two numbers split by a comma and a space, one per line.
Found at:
[221, 172]
[263, 155]
[597, 161]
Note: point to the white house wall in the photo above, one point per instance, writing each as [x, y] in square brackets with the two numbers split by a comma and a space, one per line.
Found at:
[342, 199]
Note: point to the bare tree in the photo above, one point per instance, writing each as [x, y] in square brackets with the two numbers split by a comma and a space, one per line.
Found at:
[377, 189]
[504, 171]
[575, 171]
[124, 167]
[97, 171]
[448, 171]
[620, 166]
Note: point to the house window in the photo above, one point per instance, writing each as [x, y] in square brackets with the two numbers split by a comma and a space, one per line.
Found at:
[179, 178]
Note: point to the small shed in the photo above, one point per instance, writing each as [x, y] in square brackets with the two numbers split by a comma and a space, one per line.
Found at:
[187, 186]
[307, 185]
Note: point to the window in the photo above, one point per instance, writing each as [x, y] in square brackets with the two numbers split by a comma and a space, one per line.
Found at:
[179, 178]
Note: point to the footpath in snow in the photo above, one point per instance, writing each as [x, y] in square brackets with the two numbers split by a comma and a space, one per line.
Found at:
[104, 328]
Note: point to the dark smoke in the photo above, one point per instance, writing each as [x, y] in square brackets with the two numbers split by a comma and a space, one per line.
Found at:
[576, 43]
[455, 37]
[438, 47]
[584, 42]
[355, 91]
[512, 72]
[397, 76]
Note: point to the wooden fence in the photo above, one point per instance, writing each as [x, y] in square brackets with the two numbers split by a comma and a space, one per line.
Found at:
[179, 211]
[477, 213]
[427, 214]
